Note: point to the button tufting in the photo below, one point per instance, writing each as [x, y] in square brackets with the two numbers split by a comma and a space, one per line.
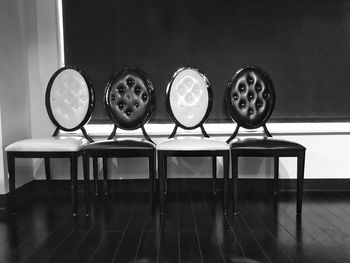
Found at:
[242, 104]
[252, 97]
[258, 104]
[137, 90]
[69, 98]
[76, 88]
[133, 93]
[181, 90]
[196, 90]
[250, 79]
[189, 98]
[188, 82]
[265, 94]
[258, 87]
[128, 112]
[67, 84]
[144, 97]
[121, 105]
[241, 88]
[130, 82]
[121, 90]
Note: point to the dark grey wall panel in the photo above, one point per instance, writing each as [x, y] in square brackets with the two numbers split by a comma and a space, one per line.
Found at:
[303, 45]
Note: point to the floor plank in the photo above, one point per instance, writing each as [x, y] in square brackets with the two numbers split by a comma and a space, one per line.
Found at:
[194, 229]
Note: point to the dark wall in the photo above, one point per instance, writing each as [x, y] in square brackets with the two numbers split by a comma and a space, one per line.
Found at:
[303, 45]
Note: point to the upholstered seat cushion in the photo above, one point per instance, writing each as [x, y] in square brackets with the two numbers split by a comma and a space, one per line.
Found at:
[192, 144]
[257, 144]
[120, 144]
[51, 144]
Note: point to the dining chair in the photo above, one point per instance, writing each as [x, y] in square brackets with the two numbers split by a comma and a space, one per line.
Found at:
[69, 103]
[129, 101]
[250, 100]
[189, 101]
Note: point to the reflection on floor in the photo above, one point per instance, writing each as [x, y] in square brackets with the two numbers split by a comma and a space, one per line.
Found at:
[193, 230]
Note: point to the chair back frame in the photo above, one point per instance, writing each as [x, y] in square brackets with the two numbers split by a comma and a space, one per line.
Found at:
[90, 101]
[179, 123]
[250, 99]
[129, 100]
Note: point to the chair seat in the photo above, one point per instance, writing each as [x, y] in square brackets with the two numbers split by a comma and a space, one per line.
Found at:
[192, 144]
[120, 144]
[50, 144]
[256, 144]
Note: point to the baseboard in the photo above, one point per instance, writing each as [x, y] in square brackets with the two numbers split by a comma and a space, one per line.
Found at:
[176, 184]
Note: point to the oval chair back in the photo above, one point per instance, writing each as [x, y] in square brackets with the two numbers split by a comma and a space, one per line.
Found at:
[129, 100]
[250, 99]
[189, 99]
[69, 99]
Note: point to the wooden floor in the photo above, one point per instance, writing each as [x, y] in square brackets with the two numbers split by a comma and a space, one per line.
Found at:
[194, 230]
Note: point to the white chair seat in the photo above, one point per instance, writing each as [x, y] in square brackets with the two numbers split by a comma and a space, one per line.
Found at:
[192, 144]
[51, 144]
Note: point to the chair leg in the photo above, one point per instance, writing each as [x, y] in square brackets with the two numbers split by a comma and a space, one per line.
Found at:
[300, 182]
[234, 162]
[275, 171]
[48, 175]
[214, 174]
[161, 169]
[86, 167]
[105, 175]
[151, 165]
[165, 175]
[226, 163]
[12, 183]
[74, 181]
[95, 172]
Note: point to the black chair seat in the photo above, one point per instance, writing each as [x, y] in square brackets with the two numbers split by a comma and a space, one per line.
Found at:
[120, 145]
[264, 144]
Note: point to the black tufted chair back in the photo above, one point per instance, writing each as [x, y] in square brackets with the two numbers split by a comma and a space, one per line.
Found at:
[250, 98]
[129, 98]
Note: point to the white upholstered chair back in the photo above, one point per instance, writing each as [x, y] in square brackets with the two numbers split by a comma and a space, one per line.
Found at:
[69, 99]
[189, 98]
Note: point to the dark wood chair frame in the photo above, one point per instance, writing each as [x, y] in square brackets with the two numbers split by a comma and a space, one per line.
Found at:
[299, 154]
[274, 153]
[122, 153]
[164, 154]
[106, 153]
[72, 156]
